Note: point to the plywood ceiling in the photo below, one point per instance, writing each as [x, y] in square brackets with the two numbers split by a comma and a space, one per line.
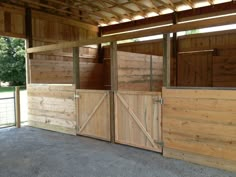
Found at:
[108, 12]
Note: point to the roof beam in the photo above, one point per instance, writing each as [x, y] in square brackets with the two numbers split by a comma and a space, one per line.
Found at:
[149, 32]
[218, 9]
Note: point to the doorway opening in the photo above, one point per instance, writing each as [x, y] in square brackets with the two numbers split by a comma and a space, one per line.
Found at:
[12, 74]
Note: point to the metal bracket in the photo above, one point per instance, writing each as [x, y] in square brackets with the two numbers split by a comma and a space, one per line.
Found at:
[160, 100]
[76, 96]
[159, 143]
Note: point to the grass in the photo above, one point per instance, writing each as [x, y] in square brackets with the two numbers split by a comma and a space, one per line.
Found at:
[6, 89]
[10, 89]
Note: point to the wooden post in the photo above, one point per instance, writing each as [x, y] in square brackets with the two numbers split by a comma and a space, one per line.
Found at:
[29, 42]
[76, 67]
[100, 49]
[166, 60]
[114, 86]
[175, 50]
[76, 81]
[17, 107]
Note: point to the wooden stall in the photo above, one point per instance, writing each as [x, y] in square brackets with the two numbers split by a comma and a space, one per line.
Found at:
[137, 102]
[196, 125]
[199, 125]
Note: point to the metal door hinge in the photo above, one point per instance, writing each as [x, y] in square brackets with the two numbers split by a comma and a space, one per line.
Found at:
[159, 143]
[159, 100]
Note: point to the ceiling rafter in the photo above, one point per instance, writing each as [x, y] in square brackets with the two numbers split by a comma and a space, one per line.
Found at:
[121, 6]
[189, 3]
[106, 9]
[85, 13]
[157, 10]
[210, 2]
[97, 11]
[140, 7]
[169, 5]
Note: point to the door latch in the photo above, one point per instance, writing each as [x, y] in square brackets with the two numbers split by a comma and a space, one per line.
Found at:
[76, 96]
[160, 100]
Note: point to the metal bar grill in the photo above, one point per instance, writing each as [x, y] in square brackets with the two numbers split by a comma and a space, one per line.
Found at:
[7, 109]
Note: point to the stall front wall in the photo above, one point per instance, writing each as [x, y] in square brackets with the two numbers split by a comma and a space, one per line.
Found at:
[52, 107]
[199, 126]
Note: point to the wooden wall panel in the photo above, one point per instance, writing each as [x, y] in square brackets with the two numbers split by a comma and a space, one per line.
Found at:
[200, 126]
[195, 70]
[1, 22]
[224, 71]
[222, 68]
[56, 67]
[154, 47]
[59, 70]
[12, 22]
[134, 72]
[52, 107]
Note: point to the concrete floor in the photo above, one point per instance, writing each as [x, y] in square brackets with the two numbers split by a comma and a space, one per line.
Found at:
[29, 152]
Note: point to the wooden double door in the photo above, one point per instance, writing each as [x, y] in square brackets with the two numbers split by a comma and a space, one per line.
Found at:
[137, 117]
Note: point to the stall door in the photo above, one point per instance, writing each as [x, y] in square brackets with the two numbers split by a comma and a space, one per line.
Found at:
[138, 119]
[93, 113]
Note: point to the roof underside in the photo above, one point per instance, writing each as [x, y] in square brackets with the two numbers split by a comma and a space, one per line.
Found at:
[107, 12]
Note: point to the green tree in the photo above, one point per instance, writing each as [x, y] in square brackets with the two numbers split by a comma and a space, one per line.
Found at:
[12, 60]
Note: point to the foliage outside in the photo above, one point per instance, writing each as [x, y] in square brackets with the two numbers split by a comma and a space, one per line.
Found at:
[12, 61]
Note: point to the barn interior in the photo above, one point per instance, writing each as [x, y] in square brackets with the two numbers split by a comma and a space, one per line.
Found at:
[148, 81]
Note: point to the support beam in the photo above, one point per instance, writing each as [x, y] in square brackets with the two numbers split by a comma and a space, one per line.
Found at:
[166, 60]
[100, 48]
[148, 32]
[175, 51]
[114, 86]
[29, 42]
[113, 53]
[76, 68]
